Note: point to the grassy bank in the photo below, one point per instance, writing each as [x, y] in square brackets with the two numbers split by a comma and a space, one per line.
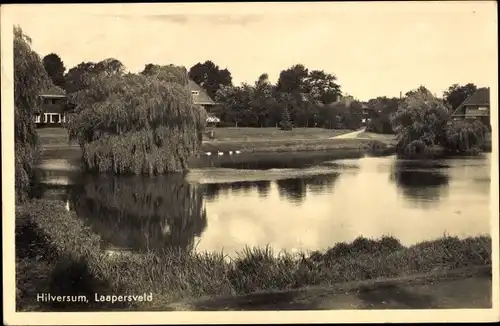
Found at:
[281, 146]
[249, 140]
[57, 244]
[271, 133]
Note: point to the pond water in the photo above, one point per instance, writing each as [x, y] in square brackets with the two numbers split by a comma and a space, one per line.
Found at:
[299, 205]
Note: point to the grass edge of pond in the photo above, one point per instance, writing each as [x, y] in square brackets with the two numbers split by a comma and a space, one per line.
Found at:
[62, 245]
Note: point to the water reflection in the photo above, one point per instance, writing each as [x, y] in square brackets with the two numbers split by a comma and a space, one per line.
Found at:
[212, 191]
[421, 182]
[296, 189]
[141, 213]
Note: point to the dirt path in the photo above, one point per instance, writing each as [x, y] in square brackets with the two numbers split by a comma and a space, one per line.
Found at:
[350, 135]
[467, 291]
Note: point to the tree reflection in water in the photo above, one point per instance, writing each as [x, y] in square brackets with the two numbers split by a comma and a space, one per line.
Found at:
[142, 213]
[295, 189]
[421, 182]
[212, 191]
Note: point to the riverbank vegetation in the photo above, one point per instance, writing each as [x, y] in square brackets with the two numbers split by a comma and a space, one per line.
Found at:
[71, 261]
[422, 122]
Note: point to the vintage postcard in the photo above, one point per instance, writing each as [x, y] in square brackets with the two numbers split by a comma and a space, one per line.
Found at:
[250, 162]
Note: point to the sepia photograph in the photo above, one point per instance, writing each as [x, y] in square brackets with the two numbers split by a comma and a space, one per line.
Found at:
[265, 162]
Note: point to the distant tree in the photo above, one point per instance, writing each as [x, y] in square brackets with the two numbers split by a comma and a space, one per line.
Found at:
[209, 76]
[286, 122]
[82, 76]
[293, 79]
[236, 104]
[456, 94]
[322, 86]
[383, 108]
[30, 78]
[55, 69]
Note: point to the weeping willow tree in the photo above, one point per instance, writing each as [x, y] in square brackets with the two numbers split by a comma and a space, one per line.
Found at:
[30, 79]
[142, 123]
[419, 121]
[142, 213]
[465, 136]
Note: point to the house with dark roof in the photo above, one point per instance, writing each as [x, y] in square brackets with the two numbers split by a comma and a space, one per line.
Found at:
[200, 97]
[53, 108]
[476, 106]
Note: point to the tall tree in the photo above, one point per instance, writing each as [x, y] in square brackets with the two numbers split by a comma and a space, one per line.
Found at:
[456, 94]
[322, 86]
[55, 69]
[30, 79]
[293, 79]
[209, 76]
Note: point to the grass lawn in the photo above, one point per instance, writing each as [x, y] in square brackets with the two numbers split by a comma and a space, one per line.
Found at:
[247, 140]
[391, 139]
[272, 133]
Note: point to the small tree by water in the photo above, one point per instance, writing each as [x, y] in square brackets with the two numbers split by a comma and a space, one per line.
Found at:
[142, 123]
[419, 121]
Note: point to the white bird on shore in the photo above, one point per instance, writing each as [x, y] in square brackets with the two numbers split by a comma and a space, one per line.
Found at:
[237, 152]
[208, 153]
[220, 153]
[230, 152]
[67, 205]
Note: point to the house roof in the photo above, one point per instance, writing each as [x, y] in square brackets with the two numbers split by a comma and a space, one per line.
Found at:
[53, 91]
[202, 98]
[479, 97]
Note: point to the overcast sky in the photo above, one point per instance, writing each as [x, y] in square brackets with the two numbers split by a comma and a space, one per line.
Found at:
[373, 48]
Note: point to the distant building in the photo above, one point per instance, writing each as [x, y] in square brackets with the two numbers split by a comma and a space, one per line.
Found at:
[53, 110]
[477, 106]
[200, 97]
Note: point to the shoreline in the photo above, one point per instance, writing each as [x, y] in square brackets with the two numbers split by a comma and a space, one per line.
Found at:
[176, 275]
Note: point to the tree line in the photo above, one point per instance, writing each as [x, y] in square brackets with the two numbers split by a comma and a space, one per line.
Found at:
[301, 97]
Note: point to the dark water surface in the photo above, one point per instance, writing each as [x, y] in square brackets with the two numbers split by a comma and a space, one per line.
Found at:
[299, 205]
